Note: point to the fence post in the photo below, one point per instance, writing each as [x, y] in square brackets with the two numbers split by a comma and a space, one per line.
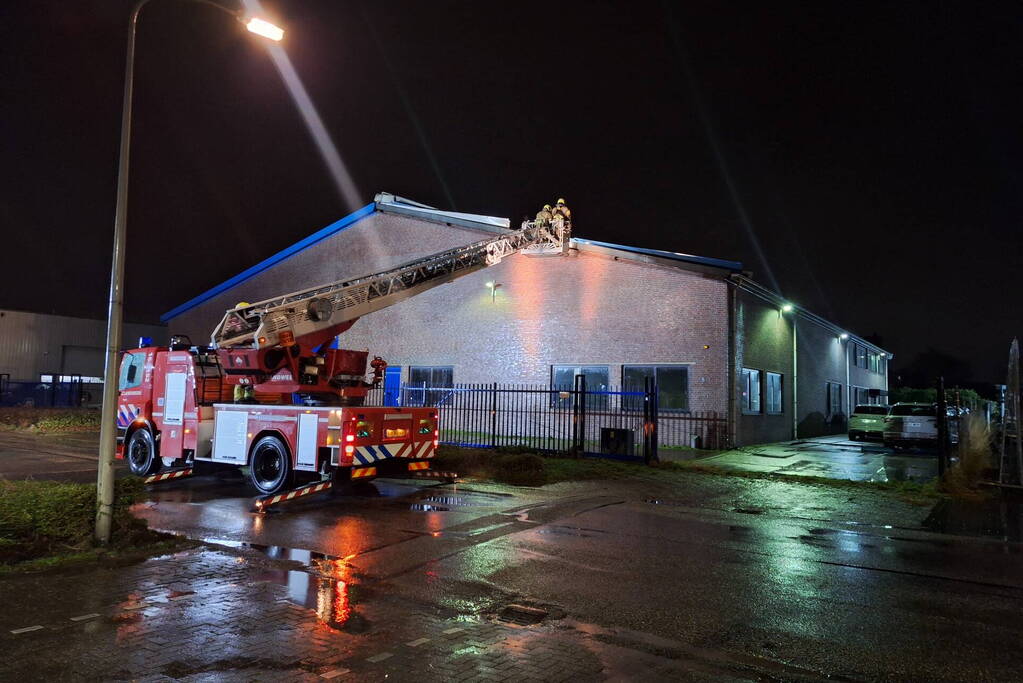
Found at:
[579, 415]
[493, 415]
[942, 428]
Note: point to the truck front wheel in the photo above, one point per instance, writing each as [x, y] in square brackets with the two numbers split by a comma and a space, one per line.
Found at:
[270, 466]
[142, 457]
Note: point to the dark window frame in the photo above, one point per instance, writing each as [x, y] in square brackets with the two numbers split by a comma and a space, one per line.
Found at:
[767, 393]
[634, 403]
[593, 401]
[832, 390]
[434, 392]
[748, 394]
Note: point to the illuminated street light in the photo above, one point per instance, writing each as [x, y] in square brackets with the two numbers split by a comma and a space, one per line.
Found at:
[786, 308]
[264, 28]
[108, 414]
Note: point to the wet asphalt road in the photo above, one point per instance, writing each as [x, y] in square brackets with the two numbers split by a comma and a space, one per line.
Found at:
[860, 600]
[788, 580]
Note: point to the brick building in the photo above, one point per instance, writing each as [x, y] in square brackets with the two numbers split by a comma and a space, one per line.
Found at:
[714, 339]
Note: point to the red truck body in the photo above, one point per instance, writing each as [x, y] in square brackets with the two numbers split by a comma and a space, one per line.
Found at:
[175, 408]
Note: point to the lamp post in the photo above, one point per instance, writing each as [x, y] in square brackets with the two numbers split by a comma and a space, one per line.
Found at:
[108, 415]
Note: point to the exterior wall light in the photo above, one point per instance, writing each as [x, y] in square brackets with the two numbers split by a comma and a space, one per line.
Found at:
[786, 308]
[843, 336]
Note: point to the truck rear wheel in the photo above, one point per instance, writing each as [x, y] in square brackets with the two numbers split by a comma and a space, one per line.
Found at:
[141, 453]
[270, 466]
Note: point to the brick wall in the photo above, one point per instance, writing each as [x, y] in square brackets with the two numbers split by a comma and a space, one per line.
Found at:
[577, 309]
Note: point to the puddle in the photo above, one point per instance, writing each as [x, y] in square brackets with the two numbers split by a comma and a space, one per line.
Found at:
[998, 517]
[328, 596]
[325, 589]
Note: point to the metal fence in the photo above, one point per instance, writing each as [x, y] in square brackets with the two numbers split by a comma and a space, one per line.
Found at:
[622, 422]
[72, 394]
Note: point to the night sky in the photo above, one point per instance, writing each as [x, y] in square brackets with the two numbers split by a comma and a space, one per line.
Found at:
[862, 159]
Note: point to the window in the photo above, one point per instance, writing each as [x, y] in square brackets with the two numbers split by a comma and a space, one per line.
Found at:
[750, 391]
[772, 397]
[86, 379]
[563, 378]
[672, 386]
[131, 371]
[860, 355]
[834, 390]
[860, 396]
[429, 385]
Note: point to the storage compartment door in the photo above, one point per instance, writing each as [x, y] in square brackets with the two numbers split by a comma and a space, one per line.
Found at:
[230, 440]
[308, 425]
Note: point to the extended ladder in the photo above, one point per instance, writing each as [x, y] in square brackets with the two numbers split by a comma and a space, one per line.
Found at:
[307, 311]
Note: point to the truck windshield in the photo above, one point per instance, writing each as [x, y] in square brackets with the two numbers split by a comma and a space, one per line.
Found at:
[131, 371]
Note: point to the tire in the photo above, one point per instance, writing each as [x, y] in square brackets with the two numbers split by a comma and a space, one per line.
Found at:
[270, 466]
[141, 453]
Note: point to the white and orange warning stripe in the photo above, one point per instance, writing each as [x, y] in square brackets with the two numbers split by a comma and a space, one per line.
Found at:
[264, 503]
[176, 474]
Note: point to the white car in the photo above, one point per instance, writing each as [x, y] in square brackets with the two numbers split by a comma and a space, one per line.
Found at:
[911, 424]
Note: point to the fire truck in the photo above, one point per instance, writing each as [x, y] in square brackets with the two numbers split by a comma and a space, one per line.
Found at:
[272, 393]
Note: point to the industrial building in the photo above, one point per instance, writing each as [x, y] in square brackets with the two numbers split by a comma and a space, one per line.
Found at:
[38, 350]
[716, 341]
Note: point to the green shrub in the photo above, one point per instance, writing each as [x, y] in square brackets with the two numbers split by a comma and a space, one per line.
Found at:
[50, 419]
[39, 518]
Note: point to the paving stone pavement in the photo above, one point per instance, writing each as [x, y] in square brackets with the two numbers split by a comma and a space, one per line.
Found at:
[217, 614]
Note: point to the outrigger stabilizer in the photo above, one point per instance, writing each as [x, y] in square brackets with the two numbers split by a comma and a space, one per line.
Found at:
[169, 475]
[262, 503]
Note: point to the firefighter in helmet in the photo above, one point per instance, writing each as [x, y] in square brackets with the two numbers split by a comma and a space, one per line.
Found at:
[544, 216]
[561, 208]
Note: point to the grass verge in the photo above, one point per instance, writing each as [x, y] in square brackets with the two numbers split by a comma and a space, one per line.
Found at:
[50, 420]
[49, 525]
[524, 468]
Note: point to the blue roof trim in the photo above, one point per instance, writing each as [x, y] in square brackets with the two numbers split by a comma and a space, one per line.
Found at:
[335, 227]
[673, 255]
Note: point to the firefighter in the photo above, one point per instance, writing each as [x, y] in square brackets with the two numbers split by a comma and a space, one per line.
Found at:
[563, 209]
[379, 365]
[544, 216]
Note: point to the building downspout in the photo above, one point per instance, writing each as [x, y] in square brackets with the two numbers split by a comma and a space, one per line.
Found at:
[849, 407]
[733, 414]
[795, 378]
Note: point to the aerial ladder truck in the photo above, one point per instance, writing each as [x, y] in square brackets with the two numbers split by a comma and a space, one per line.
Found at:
[270, 394]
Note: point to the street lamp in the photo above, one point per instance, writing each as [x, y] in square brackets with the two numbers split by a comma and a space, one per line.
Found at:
[108, 415]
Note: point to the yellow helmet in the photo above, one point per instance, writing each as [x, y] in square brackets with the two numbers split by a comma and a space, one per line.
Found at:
[242, 304]
[561, 201]
[547, 207]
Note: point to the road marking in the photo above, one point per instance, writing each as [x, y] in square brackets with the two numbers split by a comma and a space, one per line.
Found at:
[380, 657]
[84, 617]
[455, 629]
[418, 642]
[26, 629]
[335, 673]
